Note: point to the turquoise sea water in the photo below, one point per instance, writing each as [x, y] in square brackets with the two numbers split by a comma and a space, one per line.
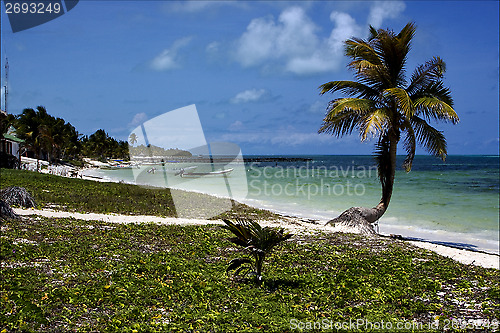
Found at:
[455, 202]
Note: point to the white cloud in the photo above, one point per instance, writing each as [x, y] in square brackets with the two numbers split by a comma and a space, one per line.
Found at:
[318, 107]
[281, 137]
[214, 50]
[168, 58]
[295, 139]
[292, 37]
[213, 47]
[297, 32]
[196, 6]
[316, 63]
[382, 10]
[248, 96]
[257, 43]
[293, 42]
[236, 126]
[345, 28]
[192, 6]
[138, 119]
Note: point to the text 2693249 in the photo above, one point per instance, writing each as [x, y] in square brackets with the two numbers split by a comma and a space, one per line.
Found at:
[32, 7]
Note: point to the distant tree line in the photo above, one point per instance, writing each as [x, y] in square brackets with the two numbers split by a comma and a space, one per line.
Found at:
[53, 139]
[152, 150]
[101, 145]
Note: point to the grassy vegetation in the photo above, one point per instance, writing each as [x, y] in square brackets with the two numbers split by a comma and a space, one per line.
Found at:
[73, 275]
[89, 196]
[66, 274]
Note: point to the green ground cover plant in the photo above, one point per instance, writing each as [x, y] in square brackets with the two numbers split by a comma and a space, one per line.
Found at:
[73, 275]
[80, 195]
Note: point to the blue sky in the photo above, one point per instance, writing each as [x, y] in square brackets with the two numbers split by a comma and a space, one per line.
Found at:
[252, 68]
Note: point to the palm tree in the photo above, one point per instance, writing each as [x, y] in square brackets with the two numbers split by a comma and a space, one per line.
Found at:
[46, 135]
[32, 127]
[382, 103]
[68, 140]
[132, 138]
[255, 239]
[6, 120]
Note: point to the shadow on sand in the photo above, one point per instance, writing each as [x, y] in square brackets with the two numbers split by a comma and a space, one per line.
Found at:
[456, 245]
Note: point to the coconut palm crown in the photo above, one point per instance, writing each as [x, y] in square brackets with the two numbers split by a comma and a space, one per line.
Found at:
[384, 104]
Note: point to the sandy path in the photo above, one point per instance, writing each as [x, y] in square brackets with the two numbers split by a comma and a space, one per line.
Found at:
[294, 225]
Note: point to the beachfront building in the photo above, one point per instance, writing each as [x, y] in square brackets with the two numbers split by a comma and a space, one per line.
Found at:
[10, 144]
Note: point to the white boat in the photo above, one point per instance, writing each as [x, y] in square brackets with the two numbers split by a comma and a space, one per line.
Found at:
[179, 171]
[176, 171]
[202, 174]
[117, 166]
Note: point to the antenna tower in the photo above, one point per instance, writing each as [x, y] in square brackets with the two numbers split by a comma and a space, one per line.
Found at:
[6, 91]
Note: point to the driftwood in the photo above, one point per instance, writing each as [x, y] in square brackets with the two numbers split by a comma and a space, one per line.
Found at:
[17, 196]
[6, 211]
[354, 218]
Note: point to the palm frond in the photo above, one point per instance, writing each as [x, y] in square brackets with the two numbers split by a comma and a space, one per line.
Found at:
[248, 269]
[351, 88]
[374, 123]
[435, 89]
[402, 99]
[400, 53]
[236, 263]
[406, 35]
[430, 138]
[362, 65]
[425, 75]
[344, 115]
[434, 108]
[358, 49]
[409, 144]
[372, 33]
[269, 238]
[369, 60]
[377, 78]
[393, 50]
[239, 230]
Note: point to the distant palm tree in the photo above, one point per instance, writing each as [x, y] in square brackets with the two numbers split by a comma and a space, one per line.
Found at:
[132, 139]
[6, 120]
[46, 135]
[32, 127]
[384, 104]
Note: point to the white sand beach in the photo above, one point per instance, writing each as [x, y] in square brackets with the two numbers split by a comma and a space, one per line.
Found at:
[295, 225]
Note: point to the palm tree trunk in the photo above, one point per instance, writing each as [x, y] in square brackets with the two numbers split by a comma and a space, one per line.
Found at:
[387, 183]
[361, 218]
[37, 155]
[259, 261]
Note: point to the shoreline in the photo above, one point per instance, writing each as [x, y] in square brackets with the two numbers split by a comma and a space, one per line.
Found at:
[471, 242]
[462, 252]
[293, 224]
[478, 240]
